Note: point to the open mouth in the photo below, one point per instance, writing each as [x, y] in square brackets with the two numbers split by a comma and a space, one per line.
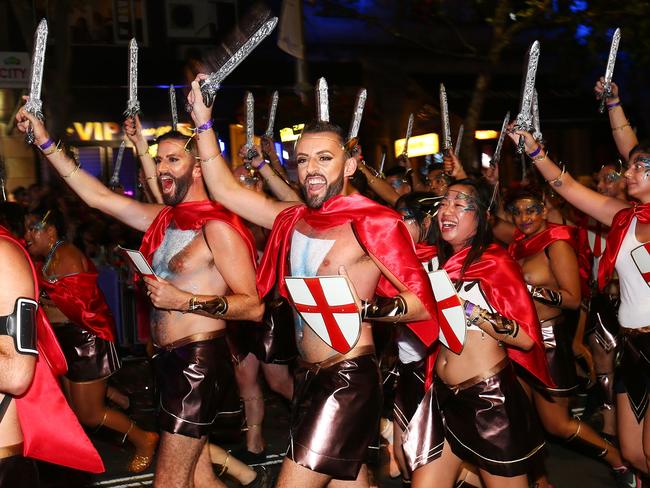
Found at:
[315, 183]
[448, 225]
[28, 244]
[166, 183]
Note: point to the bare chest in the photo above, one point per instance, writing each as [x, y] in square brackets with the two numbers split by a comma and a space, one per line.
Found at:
[537, 271]
[181, 253]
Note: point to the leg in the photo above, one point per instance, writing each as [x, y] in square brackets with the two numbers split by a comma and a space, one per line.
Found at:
[293, 475]
[360, 482]
[399, 452]
[493, 481]
[630, 433]
[249, 388]
[203, 474]
[177, 459]
[441, 472]
[231, 465]
[278, 378]
[604, 364]
[468, 476]
[386, 431]
[117, 397]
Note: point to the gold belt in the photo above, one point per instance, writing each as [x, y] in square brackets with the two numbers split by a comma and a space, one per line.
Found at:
[9, 451]
[337, 358]
[201, 336]
[479, 377]
[635, 332]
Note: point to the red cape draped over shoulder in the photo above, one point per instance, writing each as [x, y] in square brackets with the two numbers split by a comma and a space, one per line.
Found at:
[504, 287]
[425, 252]
[51, 431]
[193, 216]
[379, 230]
[79, 298]
[620, 225]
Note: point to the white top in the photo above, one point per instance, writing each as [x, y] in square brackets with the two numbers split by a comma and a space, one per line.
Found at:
[634, 311]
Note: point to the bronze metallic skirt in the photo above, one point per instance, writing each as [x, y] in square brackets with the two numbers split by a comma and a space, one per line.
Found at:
[89, 358]
[558, 337]
[633, 371]
[335, 414]
[194, 379]
[490, 423]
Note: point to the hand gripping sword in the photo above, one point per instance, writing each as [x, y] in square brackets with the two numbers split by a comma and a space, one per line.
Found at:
[173, 107]
[251, 152]
[115, 178]
[133, 105]
[444, 120]
[273, 108]
[524, 119]
[34, 104]
[537, 130]
[357, 115]
[502, 135]
[409, 133]
[322, 101]
[609, 71]
[211, 84]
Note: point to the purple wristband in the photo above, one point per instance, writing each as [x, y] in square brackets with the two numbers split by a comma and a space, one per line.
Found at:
[612, 105]
[264, 161]
[206, 126]
[46, 144]
[536, 151]
[469, 308]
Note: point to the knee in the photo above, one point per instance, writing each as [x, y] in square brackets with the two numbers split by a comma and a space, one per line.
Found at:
[559, 427]
[91, 418]
[277, 383]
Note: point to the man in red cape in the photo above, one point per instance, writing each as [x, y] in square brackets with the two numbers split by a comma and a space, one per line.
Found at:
[337, 397]
[203, 257]
[39, 424]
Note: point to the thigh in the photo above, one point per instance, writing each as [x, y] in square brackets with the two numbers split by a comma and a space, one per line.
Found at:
[360, 482]
[176, 460]
[492, 481]
[88, 397]
[292, 475]
[441, 472]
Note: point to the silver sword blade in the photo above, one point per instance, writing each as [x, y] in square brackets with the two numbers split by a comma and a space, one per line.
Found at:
[322, 101]
[273, 108]
[133, 105]
[444, 119]
[34, 104]
[537, 130]
[502, 135]
[524, 119]
[250, 126]
[173, 107]
[357, 115]
[115, 178]
[459, 139]
[210, 85]
[409, 133]
[381, 164]
[609, 70]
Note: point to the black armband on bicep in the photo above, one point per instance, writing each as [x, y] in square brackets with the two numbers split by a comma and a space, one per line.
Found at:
[382, 308]
[546, 296]
[21, 326]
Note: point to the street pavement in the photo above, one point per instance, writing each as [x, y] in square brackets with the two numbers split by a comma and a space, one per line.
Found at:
[566, 468]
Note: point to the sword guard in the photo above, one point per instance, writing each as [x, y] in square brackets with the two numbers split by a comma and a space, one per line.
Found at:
[208, 90]
[251, 153]
[132, 111]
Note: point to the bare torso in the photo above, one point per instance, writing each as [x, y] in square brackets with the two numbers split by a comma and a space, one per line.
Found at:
[185, 260]
[321, 253]
[537, 272]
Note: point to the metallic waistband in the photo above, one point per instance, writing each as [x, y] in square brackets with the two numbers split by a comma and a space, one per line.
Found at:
[635, 332]
[13, 450]
[201, 336]
[337, 358]
[500, 366]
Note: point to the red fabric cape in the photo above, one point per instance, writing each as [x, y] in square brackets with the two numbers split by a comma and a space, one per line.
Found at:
[379, 230]
[617, 231]
[79, 298]
[51, 431]
[193, 216]
[504, 287]
[425, 252]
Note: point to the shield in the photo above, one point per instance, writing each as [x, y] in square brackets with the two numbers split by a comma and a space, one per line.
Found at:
[451, 315]
[596, 243]
[327, 305]
[641, 257]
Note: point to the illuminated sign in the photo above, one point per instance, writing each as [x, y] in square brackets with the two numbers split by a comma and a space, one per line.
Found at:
[14, 69]
[292, 133]
[419, 145]
[112, 131]
[484, 135]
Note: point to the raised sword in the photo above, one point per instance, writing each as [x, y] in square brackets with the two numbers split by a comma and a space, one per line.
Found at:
[524, 120]
[133, 104]
[409, 133]
[609, 71]
[459, 139]
[537, 130]
[173, 107]
[357, 115]
[115, 178]
[322, 101]
[34, 104]
[444, 120]
[502, 135]
[251, 152]
[273, 108]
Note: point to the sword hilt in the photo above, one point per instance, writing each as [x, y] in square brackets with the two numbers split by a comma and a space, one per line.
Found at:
[521, 145]
[29, 135]
[607, 92]
[251, 153]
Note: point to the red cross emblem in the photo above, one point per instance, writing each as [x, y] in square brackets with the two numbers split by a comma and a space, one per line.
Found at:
[327, 305]
[641, 257]
[451, 315]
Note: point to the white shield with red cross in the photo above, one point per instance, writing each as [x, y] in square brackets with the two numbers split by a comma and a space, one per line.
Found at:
[641, 257]
[451, 315]
[327, 305]
[597, 243]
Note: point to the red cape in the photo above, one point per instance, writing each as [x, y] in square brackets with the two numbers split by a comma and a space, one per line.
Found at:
[617, 231]
[425, 252]
[79, 298]
[379, 230]
[504, 287]
[193, 216]
[51, 431]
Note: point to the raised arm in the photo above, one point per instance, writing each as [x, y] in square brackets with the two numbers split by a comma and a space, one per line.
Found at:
[133, 213]
[133, 130]
[268, 148]
[278, 186]
[624, 136]
[564, 265]
[248, 204]
[379, 185]
[592, 203]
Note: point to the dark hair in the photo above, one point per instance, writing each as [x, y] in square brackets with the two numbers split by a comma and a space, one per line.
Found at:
[642, 147]
[12, 216]
[483, 237]
[421, 204]
[188, 142]
[55, 218]
[318, 126]
[522, 193]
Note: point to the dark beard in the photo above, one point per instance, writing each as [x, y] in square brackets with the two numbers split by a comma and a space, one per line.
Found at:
[181, 187]
[332, 190]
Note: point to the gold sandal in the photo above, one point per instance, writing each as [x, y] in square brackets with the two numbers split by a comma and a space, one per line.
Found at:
[140, 463]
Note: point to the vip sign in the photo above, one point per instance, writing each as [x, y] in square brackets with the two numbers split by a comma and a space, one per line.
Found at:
[14, 69]
[111, 131]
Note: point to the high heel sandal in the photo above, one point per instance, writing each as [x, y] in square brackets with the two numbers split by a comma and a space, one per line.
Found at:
[138, 462]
